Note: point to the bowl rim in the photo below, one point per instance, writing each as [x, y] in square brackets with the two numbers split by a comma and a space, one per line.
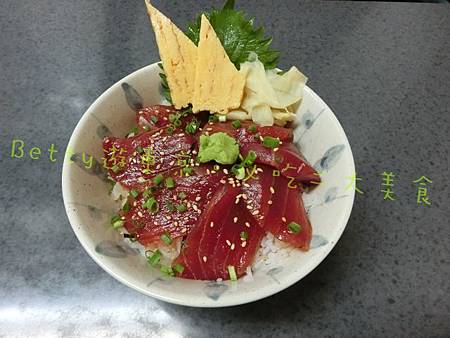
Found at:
[293, 278]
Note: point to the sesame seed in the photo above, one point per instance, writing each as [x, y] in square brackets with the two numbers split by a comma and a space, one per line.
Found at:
[188, 204]
[228, 242]
[172, 163]
[283, 219]
[244, 196]
[198, 198]
[237, 201]
[249, 207]
[140, 214]
[235, 220]
[175, 223]
[276, 149]
[208, 172]
[195, 207]
[247, 224]
[256, 212]
[183, 230]
[225, 171]
[269, 202]
[209, 129]
[243, 244]
[246, 185]
[212, 224]
[205, 259]
[232, 246]
[223, 181]
[272, 190]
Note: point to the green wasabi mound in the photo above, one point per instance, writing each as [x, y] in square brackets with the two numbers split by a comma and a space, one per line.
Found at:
[218, 147]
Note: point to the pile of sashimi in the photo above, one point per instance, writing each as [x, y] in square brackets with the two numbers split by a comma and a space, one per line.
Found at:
[214, 170]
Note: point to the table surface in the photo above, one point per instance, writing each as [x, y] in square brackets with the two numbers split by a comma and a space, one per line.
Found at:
[384, 68]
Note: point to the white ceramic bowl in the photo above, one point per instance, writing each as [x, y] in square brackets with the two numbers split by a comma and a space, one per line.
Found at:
[89, 207]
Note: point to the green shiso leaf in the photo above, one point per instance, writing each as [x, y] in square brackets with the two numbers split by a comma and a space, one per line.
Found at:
[238, 36]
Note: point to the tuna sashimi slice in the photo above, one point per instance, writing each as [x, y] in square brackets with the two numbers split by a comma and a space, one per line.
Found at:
[244, 134]
[227, 235]
[179, 209]
[133, 160]
[286, 160]
[154, 117]
[279, 203]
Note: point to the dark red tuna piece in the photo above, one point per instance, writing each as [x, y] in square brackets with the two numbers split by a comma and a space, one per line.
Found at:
[279, 203]
[286, 160]
[227, 236]
[178, 209]
[133, 160]
[154, 117]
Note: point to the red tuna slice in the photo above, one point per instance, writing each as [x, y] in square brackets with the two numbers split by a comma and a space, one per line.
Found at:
[154, 117]
[244, 135]
[216, 243]
[286, 160]
[133, 160]
[279, 203]
[148, 227]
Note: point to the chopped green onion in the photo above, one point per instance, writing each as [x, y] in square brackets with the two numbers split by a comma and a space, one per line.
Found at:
[271, 142]
[192, 126]
[170, 206]
[146, 128]
[154, 119]
[147, 194]
[295, 227]
[166, 238]
[139, 150]
[177, 123]
[133, 131]
[158, 179]
[232, 273]
[244, 235]
[115, 169]
[182, 195]
[236, 124]
[170, 183]
[181, 207]
[213, 118]
[222, 118]
[249, 159]
[151, 205]
[188, 170]
[167, 270]
[239, 171]
[126, 207]
[154, 259]
[134, 193]
[172, 118]
[252, 128]
[178, 268]
[117, 222]
[170, 130]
